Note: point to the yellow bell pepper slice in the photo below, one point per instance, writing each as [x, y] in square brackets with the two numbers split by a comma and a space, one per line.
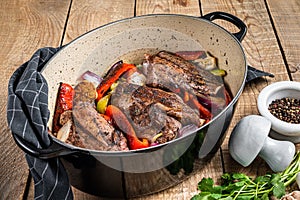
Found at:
[102, 103]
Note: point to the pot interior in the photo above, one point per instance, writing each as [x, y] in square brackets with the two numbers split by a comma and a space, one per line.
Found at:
[131, 38]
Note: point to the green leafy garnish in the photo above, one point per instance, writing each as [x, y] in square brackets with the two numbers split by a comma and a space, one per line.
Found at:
[239, 186]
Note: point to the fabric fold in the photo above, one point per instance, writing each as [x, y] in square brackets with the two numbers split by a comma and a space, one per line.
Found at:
[27, 116]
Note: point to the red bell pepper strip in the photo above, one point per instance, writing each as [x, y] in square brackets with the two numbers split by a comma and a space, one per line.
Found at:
[121, 121]
[204, 112]
[65, 96]
[227, 96]
[64, 102]
[107, 118]
[112, 76]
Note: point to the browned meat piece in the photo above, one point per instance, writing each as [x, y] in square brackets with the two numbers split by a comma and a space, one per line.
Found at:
[75, 139]
[169, 71]
[85, 91]
[120, 140]
[88, 141]
[153, 111]
[95, 132]
[152, 120]
[65, 117]
[67, 133]
[86, 117]
[91, 125]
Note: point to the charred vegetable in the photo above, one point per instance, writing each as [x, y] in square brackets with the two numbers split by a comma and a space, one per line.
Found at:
[112, 76]
[120, 120]
[90, 77]
[102, 103]
[64, 102]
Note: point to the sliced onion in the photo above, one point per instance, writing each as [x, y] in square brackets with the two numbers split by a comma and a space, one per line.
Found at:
[137, 79]
[145, 66]
[64, 131]
[113, 67]
[206, 62]
[91, 77]
[191, 55]
[187, 129]
[154, 144]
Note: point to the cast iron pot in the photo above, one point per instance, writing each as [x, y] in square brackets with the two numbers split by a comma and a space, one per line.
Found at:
[141, 172]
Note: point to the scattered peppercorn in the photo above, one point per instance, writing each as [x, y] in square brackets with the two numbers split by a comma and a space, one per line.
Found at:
[286, 109]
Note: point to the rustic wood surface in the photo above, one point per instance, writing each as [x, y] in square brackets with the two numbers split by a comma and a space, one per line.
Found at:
[271, 44]
[286, 19]
[25, 26]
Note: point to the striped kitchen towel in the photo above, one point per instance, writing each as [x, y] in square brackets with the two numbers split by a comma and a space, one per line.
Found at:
[27, 115]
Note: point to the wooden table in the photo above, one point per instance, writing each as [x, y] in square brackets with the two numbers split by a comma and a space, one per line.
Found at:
[271, 44]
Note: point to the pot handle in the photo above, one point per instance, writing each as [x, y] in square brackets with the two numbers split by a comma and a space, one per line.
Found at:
[54, 150]
[230, 18]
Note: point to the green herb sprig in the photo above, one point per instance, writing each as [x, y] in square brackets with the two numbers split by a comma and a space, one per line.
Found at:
[239, 186]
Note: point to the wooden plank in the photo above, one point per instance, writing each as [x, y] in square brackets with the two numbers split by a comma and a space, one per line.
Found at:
[25, 27]
[286, 17]
[262, 52]
[187, 188]
[187, 7]
[83, 18]
[86, 15]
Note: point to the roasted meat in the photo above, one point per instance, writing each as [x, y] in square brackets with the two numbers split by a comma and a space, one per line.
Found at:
[85, 91]
[170, 71]
[165, 98]
[90, 124]
[153, 111]
[88, 128]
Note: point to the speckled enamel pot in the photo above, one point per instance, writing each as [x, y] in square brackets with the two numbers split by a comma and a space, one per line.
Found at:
[141, 172]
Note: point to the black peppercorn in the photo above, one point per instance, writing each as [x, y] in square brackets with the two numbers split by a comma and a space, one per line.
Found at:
[286, 109]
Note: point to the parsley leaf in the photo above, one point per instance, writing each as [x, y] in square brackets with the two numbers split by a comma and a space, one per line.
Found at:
[239, 186]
